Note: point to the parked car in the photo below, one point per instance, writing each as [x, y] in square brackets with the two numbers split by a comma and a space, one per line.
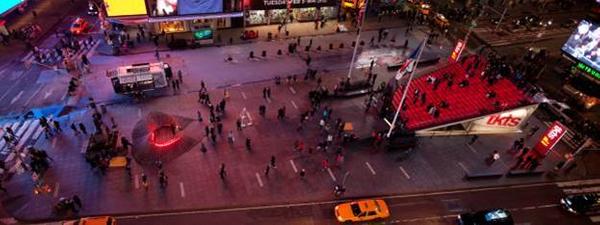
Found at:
[581, 204]
[79, 26]
[486, 217]
[362, 210]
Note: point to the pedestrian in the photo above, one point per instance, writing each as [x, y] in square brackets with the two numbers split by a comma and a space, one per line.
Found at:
[125, 143]
[162, 179]
[302, 173]
[269, 93]
[262, 110]
[493, 157]
[156, 54]
[57, 126]
[230, 137]
[128, 166]
[267, 170]
[222, 172]
[34, 13]
[74, 128]
[473, 139]
[199, 116]
[180, 76]
[264, 93]
[77, 201]
[144, 180]
[248, 144]
[273, 161]
[203, 147]
[238, 123]
[219, 128]
[533, 130]
[213, 137]
[207, 131]
[308, 60]
[325, 164]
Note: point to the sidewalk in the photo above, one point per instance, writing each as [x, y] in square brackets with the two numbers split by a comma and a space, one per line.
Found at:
[193, 175]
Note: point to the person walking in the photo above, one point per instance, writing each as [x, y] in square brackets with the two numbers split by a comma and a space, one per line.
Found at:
[273, 161]
[82, 128]
[74, 128]
[493, 157]
[199, 116]
[230, 137]
[162, 179]
[56, 125]
[248, 144]
[219, 128]
[473, 139]
[267, 170]
[144, 181]
[222, 172]
[180, 76]
[238, 123]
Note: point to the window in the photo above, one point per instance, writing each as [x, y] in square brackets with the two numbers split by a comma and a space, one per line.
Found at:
[355, 209]
[495, 215]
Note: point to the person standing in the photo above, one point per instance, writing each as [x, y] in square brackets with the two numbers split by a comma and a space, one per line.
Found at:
[199, 116]
[180, 76]
[273, 161]
[267, 170]
[230, 137]
[493, 157]
[77, 202]
[125, 143]
[144, 181]
[219, 128]
[74, 128]
[248, 144]
[162, 179]
[56, 125]
[473, 139]
[302, 174]
[238, 123]
[156, 54]
[222, 172]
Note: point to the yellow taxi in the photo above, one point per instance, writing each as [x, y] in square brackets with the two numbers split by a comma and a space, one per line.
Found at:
[79, 26]
[99, 220]
[362, 210]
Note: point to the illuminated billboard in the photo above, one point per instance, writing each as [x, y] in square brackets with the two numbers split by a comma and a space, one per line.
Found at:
[187, 7]
[584, 44]
[125, 7]
[550, 138]
[6, 5]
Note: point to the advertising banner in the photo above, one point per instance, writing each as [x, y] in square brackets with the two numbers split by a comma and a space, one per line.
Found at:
[584, 44]
[460, 46]
[550, 138]
[187, 7]
[6, 5]
[504, 121]
[282, 4]
[125, 7]
[166, 7]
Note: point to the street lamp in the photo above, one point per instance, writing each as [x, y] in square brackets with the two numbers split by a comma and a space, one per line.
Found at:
[356, 43]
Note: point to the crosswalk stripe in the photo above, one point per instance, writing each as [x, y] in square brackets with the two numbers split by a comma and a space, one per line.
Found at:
[581, 190]
[33, 126]
[13, 127]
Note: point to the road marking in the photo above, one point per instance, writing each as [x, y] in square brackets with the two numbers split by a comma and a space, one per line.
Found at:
[294, 166]
[33, 95]
[292, 90]
[330, 202]
[268, 100]
[463, 167]
[331, 174]
[370, 168]
[595, 219]
[16, 98]
[136, 181]
[63, 97]
[139, 113]
[54, 140]
[56, 189]
[294, 104]
[84, 146]
[48, 93]
[181, 189]
[244, 96]
[260, 183]
[404, 172]
[472, 149]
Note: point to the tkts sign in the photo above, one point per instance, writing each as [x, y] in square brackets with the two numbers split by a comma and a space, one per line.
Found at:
[282, 4]
[550, 138]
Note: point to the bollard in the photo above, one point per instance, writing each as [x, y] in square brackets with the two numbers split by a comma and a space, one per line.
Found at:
[307, 48]
[330, 46]
[279, 52]
[362, 43]
[264, 54]
[353, 44]
[341, 45]
[319, 48]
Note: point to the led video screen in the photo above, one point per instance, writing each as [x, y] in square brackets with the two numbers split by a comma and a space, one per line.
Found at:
[6, 5]
[584, 44]
[187, 7]
[125, 7]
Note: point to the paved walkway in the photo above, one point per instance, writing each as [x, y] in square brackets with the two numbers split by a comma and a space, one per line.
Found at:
[194, 181]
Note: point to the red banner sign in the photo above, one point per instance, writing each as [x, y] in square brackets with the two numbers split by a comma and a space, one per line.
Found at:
[552, 136]
[460, 46]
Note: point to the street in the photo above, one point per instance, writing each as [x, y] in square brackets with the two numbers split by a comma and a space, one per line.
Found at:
[534, 204]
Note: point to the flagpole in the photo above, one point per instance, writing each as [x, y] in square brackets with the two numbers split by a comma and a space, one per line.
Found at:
[412, 73]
